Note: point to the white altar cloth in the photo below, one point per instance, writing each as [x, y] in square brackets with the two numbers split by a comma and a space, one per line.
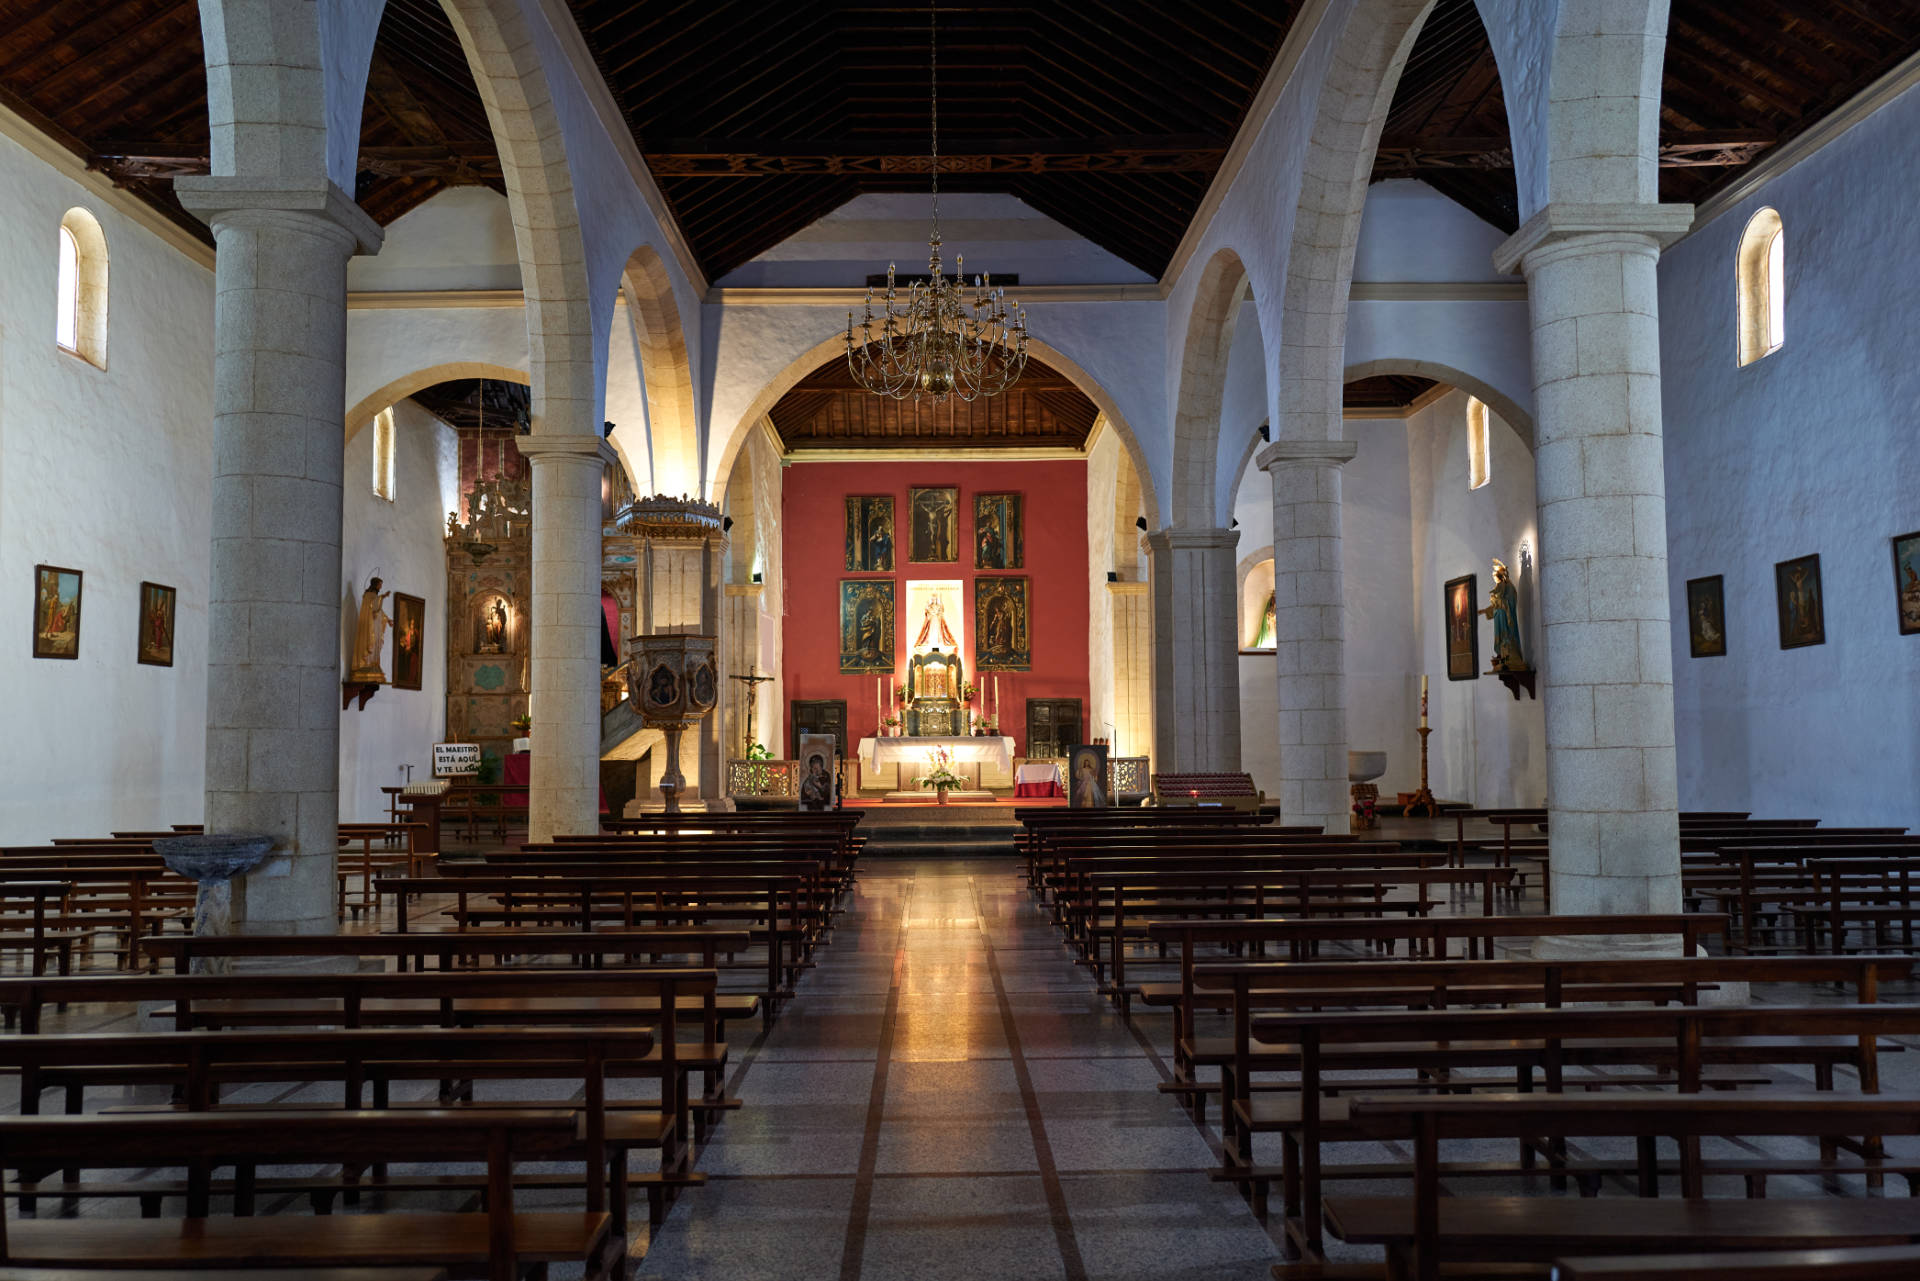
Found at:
[875, 752]
[1040, 772]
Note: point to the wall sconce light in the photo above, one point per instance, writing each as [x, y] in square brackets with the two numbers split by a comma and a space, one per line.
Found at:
[1266, 433]
[726, 524]
[606, 429]
[1140, 523]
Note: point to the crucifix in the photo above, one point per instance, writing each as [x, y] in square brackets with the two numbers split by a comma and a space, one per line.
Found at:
[752, 680]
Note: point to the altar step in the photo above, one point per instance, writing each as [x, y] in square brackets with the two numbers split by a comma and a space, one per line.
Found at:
[943, 841]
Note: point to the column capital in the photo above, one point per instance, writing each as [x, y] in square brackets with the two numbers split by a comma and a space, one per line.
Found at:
[1128, 588]
[1565, 221]
[1166, 540]
[543, 447]
[214, 198]
[1306, 453]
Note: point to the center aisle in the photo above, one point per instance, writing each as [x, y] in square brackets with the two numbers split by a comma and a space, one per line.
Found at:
[948, 1097]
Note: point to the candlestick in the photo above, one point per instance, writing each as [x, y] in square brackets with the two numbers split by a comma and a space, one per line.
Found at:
[1423, 698]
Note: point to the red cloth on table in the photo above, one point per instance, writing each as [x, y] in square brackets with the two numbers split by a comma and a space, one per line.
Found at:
[517, 767]
[1037, 789]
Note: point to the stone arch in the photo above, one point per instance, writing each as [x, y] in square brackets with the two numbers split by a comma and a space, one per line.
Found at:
[1256, 441]
[835, 344]
[1510, 410]
[546, 225]
[1253, 584]
[1203, 385]
[360, 414]
[666, 374]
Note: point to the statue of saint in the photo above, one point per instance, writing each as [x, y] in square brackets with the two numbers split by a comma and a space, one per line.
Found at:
[495, 625]
[370, 636]
[1503, 607]
[935, 625]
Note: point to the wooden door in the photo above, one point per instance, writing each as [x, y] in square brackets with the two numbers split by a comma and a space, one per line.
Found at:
[1053, 725]
[819, 716]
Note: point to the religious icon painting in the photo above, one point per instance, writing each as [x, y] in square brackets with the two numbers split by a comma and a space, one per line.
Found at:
[999, 541]
[870, 534]
[819, 773]
[56, 612]
[1906, 581]
[409, 636]
[1463, 637]
[1001, 639]
[1087, 777]
[1803, 619]
[934, 536]
[156, 625]
[866, 625]
[1706, 617]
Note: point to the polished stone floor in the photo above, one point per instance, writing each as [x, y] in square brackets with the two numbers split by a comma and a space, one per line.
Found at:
[949, 1097]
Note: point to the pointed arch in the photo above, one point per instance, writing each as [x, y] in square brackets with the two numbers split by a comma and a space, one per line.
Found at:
[1203, 387]
[666, 374]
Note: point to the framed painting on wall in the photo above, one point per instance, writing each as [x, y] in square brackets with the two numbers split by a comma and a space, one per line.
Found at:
[1906, 582]
[409, 631]
[933, 538]
[1706, 617]
[1463, 636]
[1087, 777]
[1803, 619]
[999, 536]
[866, 625]
[156, 625]
[870, 535]
[56, 612]
[1002, 638]
[819, 790]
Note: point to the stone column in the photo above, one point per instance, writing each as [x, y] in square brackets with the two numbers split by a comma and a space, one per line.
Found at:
[274, 602]
[742, 626]
[1309, 625]
[1607, 665]
[1196, 651]
[1132, 668]
[564, 780]
[712, 727]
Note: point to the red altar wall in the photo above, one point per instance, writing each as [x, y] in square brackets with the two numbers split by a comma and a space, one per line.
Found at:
[1056, 555]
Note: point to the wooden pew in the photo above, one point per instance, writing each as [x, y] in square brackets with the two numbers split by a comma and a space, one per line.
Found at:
[36, 939]
[592, 950]
[1840, 1263]
[495, 1242]
[1426, 1231]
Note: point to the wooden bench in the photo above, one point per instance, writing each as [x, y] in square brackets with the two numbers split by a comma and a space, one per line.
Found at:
[1865, 1263]
[448, 950]
[1426, 1231]
[37, 940]
[495, 1242]
[1232, 790]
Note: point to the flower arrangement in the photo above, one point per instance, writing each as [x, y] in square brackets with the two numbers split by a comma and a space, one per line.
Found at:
[522, 724]
[1363, 810]
[967, 691]
[941, 777]
[891, 724]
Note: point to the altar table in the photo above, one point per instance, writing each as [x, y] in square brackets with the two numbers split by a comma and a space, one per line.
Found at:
[875, 752]
[1038, 778]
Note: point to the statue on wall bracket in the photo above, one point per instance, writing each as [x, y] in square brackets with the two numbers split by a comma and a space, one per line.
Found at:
[1503, 607]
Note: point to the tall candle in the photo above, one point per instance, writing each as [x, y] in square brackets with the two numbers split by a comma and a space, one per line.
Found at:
[1423, 700]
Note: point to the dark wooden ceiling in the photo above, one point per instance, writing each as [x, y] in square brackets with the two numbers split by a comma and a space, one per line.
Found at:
[1741, 77]
[1386, 393]
[480, 404]
[759, 116]
[828, 410]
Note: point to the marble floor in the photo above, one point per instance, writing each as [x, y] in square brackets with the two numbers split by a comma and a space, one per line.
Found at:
[949, 1097]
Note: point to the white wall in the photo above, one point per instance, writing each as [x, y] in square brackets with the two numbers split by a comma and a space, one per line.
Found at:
[1486, 747]
[107, 472]
[403, 541]
[1811, 450]
[460, 238]
[1376, 559]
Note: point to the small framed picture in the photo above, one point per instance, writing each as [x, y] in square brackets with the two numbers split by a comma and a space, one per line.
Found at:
[409, 631]
[1906, 582]
[56, 612]
[1803, 619]
[1706, 617]
[1463, 633]
[156, 625]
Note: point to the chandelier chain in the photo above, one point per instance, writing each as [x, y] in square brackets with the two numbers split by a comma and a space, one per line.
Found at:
[942, 339]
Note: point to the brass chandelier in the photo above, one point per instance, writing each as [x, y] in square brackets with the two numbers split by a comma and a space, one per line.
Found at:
[941, 342]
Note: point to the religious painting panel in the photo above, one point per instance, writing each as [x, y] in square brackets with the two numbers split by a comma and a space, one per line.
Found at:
[999, 532]
[1463, 637]
[870, 535]
[155, 645]
[1707, 617]
[1803, 619]
[56, 612]
[1087, 777]
[934, 536]
[409, 633]
[866, 625]
[1906, 582]
[1001, 638]
[818, 755]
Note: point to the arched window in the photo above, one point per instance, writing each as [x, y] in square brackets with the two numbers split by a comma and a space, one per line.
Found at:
[383, 454]
[80, 320]
[1761, 274]
[1479, 461]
